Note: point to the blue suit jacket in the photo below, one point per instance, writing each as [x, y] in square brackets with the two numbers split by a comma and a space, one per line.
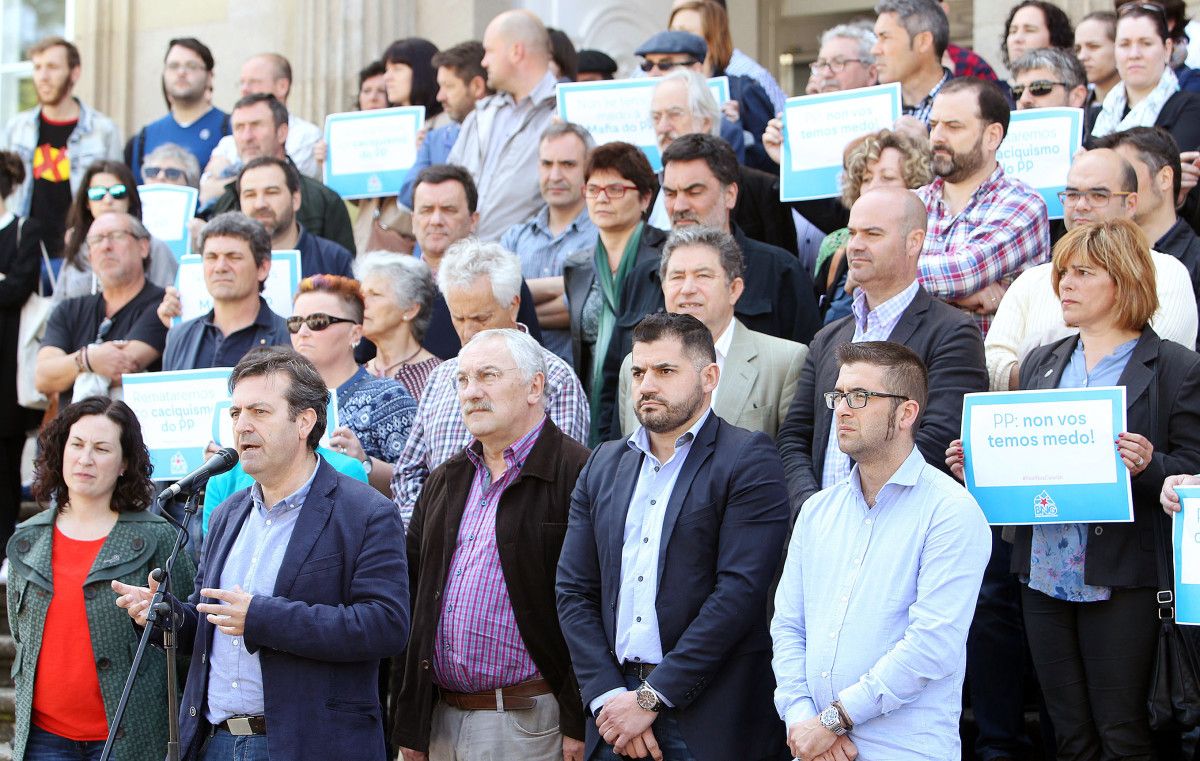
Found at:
[723, 537]
[340, 605]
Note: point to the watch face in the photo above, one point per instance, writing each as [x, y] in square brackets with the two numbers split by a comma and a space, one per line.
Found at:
[646, 699]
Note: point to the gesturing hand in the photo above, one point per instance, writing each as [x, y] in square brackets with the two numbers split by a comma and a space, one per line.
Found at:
[136, 600]
[229, 618]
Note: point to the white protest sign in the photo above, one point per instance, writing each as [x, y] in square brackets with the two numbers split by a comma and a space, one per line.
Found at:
[166, 212]
[282, 283]
[370, 152]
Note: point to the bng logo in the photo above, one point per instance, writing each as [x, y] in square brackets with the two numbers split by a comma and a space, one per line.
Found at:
[1044, 506]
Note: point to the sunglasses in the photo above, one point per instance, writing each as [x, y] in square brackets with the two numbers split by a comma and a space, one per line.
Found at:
[1143, 8]
[1037, 88]
[97, 192]
[649, 66]
[317, 321]
[168, 172]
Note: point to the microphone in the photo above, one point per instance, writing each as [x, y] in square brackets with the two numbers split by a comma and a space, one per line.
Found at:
[221, 462]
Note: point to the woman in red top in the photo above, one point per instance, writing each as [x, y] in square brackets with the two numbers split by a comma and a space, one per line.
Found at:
[74, 646]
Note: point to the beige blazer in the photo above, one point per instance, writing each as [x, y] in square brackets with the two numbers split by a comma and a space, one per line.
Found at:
[757, 384]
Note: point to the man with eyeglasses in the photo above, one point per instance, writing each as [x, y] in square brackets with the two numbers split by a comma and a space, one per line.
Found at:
[1101, 185]
[671, 51]
[57, 140]
[881, 577]
[237, 259]
[480, 285]
[192, 121]
[887, 233]
[499, 140]
[844, 60]
[111, 332]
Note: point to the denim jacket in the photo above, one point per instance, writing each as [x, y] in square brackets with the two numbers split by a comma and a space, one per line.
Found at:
[94, 138]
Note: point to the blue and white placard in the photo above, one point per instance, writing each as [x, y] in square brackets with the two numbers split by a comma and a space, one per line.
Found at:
[1047, 456]
[282, 283]
[166, 212]
[1038, 150]
[619, 109]
[817, 129]
[370, 152]
[182, 411]
[1185, 532]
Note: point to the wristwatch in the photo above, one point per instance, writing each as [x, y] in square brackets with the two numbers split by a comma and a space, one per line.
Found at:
[647, 699]
[367, 465]
[832, 720]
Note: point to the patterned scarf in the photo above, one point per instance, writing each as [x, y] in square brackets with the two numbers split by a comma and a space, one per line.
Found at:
[1143, 114]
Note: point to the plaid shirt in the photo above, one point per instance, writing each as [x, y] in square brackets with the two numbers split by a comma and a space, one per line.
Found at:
[922, 107]
[439, 433]
[478, 644]
[1002, 231]
[968, 63]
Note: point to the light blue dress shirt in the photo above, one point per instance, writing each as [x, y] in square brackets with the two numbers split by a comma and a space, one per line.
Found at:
[235, 685]
[637, 620]
[869, 325]
[874, 608]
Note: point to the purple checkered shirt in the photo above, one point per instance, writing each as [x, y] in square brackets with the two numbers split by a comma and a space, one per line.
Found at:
[439, 433]
[478, 645]
[1002, 231]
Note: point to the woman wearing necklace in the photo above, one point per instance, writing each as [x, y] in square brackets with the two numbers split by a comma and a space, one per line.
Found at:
[619, 188]
[397, 296]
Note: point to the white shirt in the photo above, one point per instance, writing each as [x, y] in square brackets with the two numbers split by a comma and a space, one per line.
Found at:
[874, 607]
[722, 346]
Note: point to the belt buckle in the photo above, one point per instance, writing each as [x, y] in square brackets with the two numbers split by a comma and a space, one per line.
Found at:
[239, 726]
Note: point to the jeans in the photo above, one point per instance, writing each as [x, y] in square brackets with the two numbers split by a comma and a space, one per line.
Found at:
[223, 746]
[47, 746]
[666, 732]
[996, 660]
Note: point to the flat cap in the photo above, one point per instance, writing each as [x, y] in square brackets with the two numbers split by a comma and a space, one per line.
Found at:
[675, 42]
[597, 62]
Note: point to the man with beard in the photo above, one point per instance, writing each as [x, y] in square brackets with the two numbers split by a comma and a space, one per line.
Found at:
[260, 128]
[192, 122]
[269, 191]
[984, 227]
[691, 504]
[58, 140]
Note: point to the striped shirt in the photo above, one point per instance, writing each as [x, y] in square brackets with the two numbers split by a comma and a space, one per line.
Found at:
[439, 432]
[1001, 231]
[921, 108]
[869, 325]
[478, 645]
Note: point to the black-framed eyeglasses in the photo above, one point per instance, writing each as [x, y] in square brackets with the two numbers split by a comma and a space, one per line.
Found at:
[857, 399]
[168, 172]
[1037, 88]
[836, 65]
[97, 192]
[649, 66]
[316, 322]
[1096, 197]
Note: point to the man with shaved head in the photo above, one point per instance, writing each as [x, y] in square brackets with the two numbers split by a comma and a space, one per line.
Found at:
[887, 233]
[498, 144]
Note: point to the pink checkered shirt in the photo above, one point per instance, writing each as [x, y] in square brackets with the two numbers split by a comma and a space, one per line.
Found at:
[478, 645]
[1002, 231]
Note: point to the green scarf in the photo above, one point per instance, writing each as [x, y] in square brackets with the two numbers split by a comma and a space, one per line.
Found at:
[610, 291]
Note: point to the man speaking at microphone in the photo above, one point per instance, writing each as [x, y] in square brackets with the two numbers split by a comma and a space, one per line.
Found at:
[302, 588]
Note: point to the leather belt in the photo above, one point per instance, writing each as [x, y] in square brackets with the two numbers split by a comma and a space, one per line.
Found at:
[242, 726]
[640, 670]
[518, 697]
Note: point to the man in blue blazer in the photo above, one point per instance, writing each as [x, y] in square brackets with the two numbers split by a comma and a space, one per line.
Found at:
[301, 590]
[673, 539]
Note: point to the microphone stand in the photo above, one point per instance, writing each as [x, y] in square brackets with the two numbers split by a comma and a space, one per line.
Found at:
[162, 615]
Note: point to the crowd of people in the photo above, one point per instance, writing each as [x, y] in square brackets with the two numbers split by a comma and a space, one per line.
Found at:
[629, 463]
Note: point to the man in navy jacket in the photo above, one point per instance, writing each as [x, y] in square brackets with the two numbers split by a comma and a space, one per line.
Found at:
[301, 590]
[672, 542]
